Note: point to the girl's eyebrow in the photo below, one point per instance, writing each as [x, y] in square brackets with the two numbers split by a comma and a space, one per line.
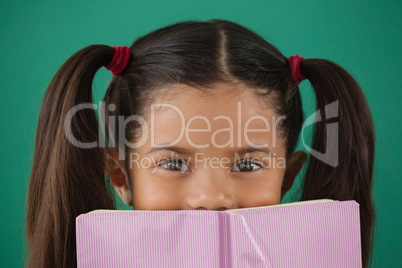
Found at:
[178, 150]
[254, 149]
[188, 152]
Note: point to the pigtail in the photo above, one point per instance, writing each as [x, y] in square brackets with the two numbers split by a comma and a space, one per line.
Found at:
[66, 180]
[348, 175]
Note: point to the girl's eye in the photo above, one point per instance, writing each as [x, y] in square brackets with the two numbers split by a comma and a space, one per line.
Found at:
[175, 164]
[246, 166]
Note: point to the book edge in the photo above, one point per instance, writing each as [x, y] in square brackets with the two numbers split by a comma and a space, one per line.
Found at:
[318, 201]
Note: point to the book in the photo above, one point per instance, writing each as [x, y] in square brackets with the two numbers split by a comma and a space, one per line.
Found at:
[320, 233]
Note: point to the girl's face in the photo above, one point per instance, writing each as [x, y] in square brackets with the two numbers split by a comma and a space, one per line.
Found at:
[215, 150]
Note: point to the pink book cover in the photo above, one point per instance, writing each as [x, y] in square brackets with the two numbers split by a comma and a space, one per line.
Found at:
[304, 234]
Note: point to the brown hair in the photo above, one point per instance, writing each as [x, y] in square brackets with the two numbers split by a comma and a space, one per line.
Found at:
[67, 181]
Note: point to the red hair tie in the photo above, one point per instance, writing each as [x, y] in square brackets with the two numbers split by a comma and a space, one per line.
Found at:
[120, 60]
[294, 64]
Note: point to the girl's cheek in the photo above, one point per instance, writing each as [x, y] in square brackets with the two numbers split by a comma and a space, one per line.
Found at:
[260, 193]
[260, 188]
[153, 191]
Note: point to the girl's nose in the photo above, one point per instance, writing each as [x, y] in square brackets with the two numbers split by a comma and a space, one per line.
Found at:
[210, 193]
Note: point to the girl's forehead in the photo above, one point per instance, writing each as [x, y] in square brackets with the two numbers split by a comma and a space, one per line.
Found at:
[223, 99]
[225, 115]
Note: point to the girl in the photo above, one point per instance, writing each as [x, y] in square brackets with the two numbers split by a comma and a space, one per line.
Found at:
[199, 115]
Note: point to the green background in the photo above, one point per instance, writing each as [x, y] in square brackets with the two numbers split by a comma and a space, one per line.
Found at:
[38, 36]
